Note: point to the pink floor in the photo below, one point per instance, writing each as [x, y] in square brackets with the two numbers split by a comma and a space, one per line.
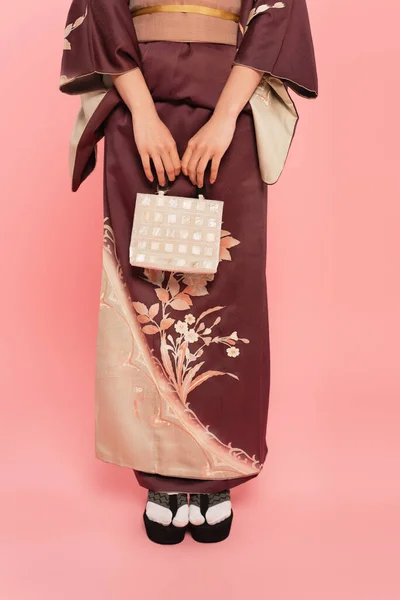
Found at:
[84, 539]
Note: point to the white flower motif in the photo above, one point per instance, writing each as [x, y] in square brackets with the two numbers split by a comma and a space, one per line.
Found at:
[233, 352]
[207, 331]
[190, 319]
[191, 336]
[181, 327]
[234, 336]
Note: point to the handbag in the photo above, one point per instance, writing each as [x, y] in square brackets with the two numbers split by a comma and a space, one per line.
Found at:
[176, 233]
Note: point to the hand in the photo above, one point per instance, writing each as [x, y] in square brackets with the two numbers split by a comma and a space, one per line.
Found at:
[210, 143]
[154, 141]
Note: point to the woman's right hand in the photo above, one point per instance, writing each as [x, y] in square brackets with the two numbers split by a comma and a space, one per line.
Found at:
[153, 139]
[154, 142]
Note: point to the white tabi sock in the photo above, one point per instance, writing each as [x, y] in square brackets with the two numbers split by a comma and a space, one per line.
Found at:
[219, 508]
[158, 509]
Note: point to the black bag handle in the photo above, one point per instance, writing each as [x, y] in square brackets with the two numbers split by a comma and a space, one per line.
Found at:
[163, 189]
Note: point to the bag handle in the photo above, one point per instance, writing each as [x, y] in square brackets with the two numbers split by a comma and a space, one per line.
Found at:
[163, 189]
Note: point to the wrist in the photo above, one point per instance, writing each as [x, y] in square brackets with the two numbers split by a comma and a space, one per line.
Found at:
[228, 113]
[143, 112]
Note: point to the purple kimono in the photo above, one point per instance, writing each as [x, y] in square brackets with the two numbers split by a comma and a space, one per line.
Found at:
[183, 361]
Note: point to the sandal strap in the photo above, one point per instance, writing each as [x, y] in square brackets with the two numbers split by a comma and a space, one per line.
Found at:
[171, 501]
[195, 499]
[205, 501]
[159, 498]
[182, 499]
[214, 499]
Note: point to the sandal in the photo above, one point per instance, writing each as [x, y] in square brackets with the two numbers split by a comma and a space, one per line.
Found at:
[165, 534]
[206, 533]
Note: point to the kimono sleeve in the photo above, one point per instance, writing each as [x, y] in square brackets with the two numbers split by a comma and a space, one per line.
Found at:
[99, 40]
[277, 40]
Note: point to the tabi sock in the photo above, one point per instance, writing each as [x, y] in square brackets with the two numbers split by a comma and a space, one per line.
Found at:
[158, 509]
[219, 508]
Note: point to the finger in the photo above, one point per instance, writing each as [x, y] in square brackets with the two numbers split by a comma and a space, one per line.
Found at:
[146, 166]
[176, 161]
[201, 167]
[192, 166]
[186, 157]
[159, 169]
[168, 165]
[214, 168]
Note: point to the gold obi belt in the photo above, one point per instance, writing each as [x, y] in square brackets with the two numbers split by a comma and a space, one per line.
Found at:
[185, 23]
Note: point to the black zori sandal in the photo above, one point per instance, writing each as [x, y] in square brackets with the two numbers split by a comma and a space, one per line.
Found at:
[205, 533]
[165, 534]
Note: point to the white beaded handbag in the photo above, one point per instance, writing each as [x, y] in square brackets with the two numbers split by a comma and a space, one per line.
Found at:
[176, 233]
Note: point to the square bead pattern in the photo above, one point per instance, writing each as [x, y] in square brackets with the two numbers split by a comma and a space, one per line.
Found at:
[175, 233]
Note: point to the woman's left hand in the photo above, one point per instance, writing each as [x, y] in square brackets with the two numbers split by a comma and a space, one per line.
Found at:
[209, 143]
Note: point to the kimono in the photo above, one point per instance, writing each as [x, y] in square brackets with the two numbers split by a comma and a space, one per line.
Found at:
[183, 360]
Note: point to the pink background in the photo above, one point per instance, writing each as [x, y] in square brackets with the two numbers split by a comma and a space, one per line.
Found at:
[322, 522]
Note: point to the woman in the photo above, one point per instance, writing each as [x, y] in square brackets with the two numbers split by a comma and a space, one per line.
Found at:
[183, 376]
